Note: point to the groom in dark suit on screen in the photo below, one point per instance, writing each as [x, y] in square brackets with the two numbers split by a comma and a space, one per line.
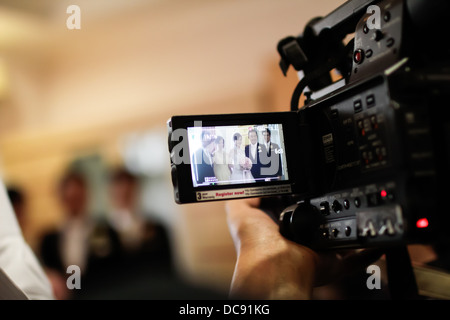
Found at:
[253, 152]
[272, 158]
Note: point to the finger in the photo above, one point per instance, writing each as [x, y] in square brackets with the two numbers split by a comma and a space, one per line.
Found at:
[252, 202]
[247, 223]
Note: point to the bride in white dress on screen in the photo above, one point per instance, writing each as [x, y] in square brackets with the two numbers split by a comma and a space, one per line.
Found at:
[240, 165]
[221, 168]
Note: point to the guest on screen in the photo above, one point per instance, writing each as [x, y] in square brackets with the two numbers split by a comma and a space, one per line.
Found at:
[202, 159]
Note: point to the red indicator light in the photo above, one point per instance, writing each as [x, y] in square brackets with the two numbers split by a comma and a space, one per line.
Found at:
[383, 193]
[422, 223]
[358, 56]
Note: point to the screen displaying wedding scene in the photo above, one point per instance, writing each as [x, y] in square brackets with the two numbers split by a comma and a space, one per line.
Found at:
[237, 154]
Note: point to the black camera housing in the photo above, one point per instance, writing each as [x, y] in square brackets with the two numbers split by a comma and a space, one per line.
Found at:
[369, 155]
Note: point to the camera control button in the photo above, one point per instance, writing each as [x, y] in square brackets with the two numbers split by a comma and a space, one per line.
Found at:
[346, 204]
[378, 35]
[357, 202]
[348, 231]
[336, 206]
[370, 99]
[357, 105]
[324, 208]
[366, 29]
[335, 232]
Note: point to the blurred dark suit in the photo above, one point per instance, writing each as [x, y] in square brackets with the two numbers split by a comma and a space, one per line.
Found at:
[256, 160]
[272, 162]
[102, 258]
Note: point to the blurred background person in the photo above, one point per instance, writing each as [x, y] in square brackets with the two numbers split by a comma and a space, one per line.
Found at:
[203, 158]
[91, 245]
[140, 237]
[253, 151]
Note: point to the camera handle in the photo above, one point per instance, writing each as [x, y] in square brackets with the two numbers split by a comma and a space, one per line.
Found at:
[401, 279]
[297, 221]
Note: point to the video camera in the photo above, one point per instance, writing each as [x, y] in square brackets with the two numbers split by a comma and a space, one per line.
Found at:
[365, 161]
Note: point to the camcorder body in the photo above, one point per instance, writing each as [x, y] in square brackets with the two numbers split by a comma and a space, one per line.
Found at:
[365, 161]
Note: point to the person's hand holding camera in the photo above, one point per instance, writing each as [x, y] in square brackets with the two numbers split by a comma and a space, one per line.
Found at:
[270, 266]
